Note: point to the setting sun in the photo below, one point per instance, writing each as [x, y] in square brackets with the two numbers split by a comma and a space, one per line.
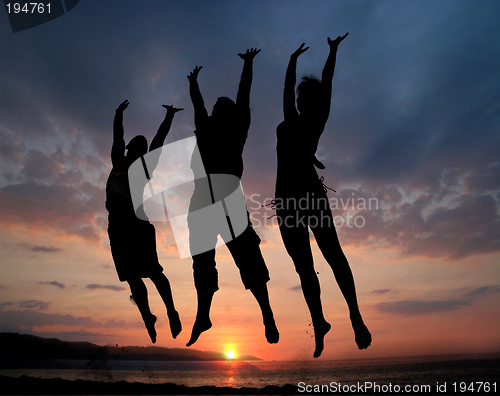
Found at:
[230, 354]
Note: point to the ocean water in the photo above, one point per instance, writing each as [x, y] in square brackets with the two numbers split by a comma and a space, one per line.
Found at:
[434, 371]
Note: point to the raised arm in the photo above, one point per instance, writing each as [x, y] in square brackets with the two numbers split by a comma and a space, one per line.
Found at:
[164, 128]
[289, 109]
[329, 69]
[243, 96]
[200, 112]
[118, 146]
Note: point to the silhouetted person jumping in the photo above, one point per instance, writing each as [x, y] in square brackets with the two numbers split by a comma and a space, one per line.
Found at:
[220, 139]
[297, 183]
[132, 240]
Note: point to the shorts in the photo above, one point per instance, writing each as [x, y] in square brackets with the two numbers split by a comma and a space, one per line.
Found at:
[247, 256]
[133, 247]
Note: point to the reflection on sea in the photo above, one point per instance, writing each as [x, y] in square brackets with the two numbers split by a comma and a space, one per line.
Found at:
[257, 374]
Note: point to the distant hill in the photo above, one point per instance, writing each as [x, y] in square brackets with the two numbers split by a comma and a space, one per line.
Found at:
[24, 346]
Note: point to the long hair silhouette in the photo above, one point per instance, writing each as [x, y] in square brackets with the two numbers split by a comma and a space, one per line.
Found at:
[298, 182]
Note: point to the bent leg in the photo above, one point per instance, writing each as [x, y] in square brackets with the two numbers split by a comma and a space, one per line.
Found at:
[163, 286]
[327, 239]
[248, 258]
[140, 296]
[261, 294]
[202, 322]
[296, 240]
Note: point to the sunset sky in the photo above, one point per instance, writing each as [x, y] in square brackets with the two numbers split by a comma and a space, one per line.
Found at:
[414, 134]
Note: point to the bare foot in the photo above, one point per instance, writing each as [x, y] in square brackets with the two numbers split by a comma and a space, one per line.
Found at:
[175, 324]
[150, 326]
[362, 336]
[319, 335]
[272, 333]
[199, 327]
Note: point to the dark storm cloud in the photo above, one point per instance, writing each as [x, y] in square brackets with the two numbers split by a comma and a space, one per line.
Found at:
[420, 307]
[10, 148]
[38, 166]
[58, 167]
[108, 287]
[52, 193]
[469, 224]
[415, 107]
[483, 180]
[429, 91]
[58, 208]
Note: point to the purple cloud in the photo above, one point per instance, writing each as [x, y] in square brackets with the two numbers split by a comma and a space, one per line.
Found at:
[420, 307]
[380, 291]
[109, 287]
[59, 208]
[10, 148]
[429, 226]
[36, 248]
[16, 321]
[34, 304]
[75, 336]
[482, 290]
[54, 283]
[420, 118]
[6, 304]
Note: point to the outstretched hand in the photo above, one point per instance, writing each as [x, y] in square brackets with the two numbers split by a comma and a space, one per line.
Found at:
[299, 51]
[122, 106]
[335, 43]
[250, 54]
[194, 74]
[171, 109]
